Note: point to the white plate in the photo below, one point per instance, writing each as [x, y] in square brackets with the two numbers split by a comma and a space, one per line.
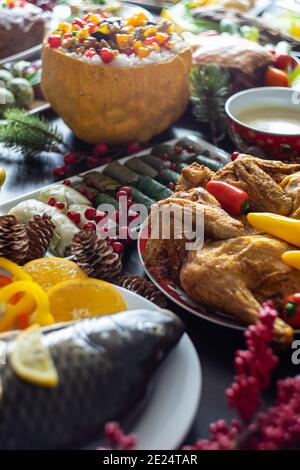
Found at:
[174, 397]
[173, 403]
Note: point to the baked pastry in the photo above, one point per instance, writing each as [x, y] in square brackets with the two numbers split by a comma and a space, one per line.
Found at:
[22, 26]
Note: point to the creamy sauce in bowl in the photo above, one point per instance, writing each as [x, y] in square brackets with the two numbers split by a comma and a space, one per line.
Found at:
[278, 120]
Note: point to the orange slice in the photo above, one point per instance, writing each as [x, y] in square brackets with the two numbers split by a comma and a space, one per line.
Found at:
[79, 298]
[48, 272]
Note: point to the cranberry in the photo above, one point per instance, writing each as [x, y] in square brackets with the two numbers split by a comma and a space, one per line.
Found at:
[91, 196]
[171, 186]
[177, 150]
[190, 149]
[126, 189]
[117, 247]
[173, 167]
[52, 201]
[120, 194]
[74, 217]
[67, 182]
[165, 157]
[70, 159]
[106, 55]
[92, 161]
[133, 147]
[113, 432]
[234, 155]
[100, 149]
[60, 171]
[54, 41]
[82, 191]
[89, 226]
[60, 206]
[90, 213]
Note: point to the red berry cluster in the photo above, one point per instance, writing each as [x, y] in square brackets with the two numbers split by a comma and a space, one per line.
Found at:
[223, 437]
[116, 438]
[254, 365]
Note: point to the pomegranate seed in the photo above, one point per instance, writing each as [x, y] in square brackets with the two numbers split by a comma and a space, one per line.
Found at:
[90, 213]
[60, 171]
[126, 189]
[177, 150]
[52, 201]
[92, 161]
[165, 157]
[113, 432]
[70, 159]
[171, 186]
[54, 41]
[100, 150]
[59, 205]
[174, 167]
[234, 155]
[133, 147]
[117, 247]
[106, 55]
[128, 442]
[89, 226]
[67, 182]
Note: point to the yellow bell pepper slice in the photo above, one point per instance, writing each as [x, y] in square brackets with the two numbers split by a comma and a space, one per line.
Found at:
[36, 305]
[14, 269]
[285, 228]
[292, 258]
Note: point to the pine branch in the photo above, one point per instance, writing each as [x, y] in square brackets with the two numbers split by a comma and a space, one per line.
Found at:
[30, 134]
[210, 90]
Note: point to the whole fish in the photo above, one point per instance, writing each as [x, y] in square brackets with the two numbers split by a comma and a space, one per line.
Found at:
[104, 365]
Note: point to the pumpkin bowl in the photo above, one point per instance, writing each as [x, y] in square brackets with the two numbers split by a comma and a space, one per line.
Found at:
[114, 104]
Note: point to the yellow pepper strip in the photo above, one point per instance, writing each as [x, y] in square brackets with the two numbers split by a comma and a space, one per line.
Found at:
[14, 269]
[285, 228]
[292, 258]
[36, 305]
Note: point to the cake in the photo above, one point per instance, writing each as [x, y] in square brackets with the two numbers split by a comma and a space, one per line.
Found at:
[22, 26]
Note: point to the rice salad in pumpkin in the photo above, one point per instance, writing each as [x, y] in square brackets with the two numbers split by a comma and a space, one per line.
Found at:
[116, 80]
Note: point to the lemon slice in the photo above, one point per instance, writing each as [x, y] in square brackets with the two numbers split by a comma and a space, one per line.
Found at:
[50, 271]
[84, 298]
[31, 360]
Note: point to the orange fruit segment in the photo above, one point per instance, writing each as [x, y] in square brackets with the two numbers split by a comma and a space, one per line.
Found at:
[84, 298]
[48, 272]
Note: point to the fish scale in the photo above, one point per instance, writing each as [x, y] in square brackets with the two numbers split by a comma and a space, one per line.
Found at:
[104, 365]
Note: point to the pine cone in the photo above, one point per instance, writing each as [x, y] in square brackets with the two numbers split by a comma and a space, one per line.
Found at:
[14, 243]
[40, 232]
[94, 255]
[143, 287]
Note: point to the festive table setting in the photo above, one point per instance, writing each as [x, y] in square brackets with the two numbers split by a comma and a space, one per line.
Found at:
[112, 335]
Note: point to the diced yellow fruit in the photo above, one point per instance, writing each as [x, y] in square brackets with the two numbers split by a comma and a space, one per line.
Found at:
[139, 19]
[75, 27]
[155, 47]
[103, 28]
[295, 29]
[2, 176]
[150, 32]
[143, 52]
[31, 359]
[161, 37]
[94, 18]
[65, 27]
[122, 41]
[137, 44]
[83, 34]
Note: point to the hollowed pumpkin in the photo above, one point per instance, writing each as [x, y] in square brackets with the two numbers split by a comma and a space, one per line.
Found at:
[110, 104]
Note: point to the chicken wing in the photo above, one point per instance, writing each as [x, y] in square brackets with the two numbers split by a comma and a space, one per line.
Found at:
[238, 274]
[193, 176]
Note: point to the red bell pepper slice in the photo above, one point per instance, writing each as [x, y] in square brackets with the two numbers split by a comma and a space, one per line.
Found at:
[233, 200]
